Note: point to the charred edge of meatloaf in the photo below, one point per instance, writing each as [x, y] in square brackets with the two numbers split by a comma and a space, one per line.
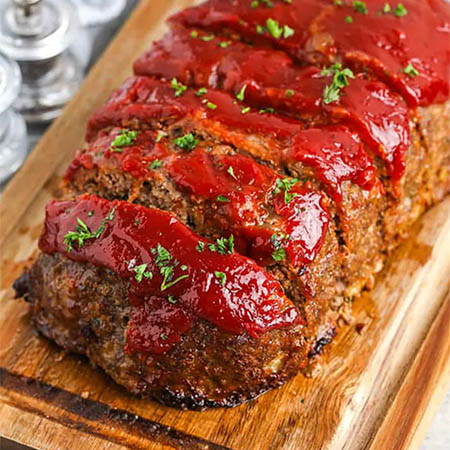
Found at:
[85, 309]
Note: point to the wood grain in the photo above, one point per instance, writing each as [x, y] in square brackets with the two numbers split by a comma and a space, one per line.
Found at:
[52, 400]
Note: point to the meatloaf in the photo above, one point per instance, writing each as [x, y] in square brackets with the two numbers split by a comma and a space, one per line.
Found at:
[296, 141]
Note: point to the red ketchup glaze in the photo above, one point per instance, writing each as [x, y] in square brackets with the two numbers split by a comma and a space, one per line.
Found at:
[381, 116]
[384, 42]
[244, 299]
[147, 99]
[337, 155]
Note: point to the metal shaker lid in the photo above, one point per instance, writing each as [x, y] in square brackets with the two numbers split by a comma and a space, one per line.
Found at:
[33, 30]
[10, 80]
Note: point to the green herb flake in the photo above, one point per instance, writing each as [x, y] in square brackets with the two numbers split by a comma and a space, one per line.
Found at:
[208, 37]
[124, 139]
[400, 10]
[240, 95]
[360, 7]
[268, 3]
[411, 71]
[337, 2]
[200, 246]
[349, 19]
[186, 142]
[194, 34]
[279, 254]
[177, 87]
[254, 4]
[225, 246]
[160, 135]
[285, 185]
[278, 31]
[245, 110]
[82, 232]
[201, 91]
[221, 277]
[288, 32]
[230, 170]
[164, 336]
[171, 299]
[163, 260]
[260, 29]
[224, 44]
[155, 164]
[222, 198]
[387, 8]
[266, 110]
[211, 105]
[141, 272]
[289, 93]
[90, 213]
[340, 80]
[212, 247]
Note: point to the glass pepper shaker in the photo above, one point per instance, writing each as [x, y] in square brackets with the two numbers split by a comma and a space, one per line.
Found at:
[48, 43]
[13, 133]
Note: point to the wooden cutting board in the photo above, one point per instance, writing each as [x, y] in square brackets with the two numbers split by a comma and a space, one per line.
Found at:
[380, 381]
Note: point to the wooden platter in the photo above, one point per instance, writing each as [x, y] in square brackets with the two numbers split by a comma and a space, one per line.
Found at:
[380, 381]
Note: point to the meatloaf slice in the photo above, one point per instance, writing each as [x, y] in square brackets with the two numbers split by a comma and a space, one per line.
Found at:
[221, 335]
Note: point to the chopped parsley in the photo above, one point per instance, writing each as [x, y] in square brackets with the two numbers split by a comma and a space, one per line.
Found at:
[360, 7]
[331, 92]
[164, 336]
[194, 34]
[387, 8]
[245, 110]
[186, 142]
[349, 19]
[124, 139]
[285, 185]
[241, 93]
[221, 277]
[208, 37]
[140, 271]
[222, 198]
[82, 232]
[230, 170]
[400, 10]
[289, 93]
[254, 4]
[411, 71]
[224, 44]
[155, 164]
[160, 135]
[279, 254]
[200, 246]
[223, 245]
[259, 29]
[177, 87]
[278, 31]
[337, 2]
[201, 91]
[171, 299]
[163, 260]
[266, 110]
[90, 213]
[211, 105]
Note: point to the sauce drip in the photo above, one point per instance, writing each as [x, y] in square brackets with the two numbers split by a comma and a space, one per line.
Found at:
[228, 290]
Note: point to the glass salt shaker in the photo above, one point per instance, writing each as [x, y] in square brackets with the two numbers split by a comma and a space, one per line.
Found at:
[13, 133]
[48, 43]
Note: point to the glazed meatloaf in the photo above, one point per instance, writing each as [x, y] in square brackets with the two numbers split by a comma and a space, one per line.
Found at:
[248, 181]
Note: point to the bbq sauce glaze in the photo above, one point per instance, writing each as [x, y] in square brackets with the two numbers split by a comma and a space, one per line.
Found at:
[383, 39]
[222, 287]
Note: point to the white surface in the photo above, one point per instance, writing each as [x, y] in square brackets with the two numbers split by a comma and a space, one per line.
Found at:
[438, 438]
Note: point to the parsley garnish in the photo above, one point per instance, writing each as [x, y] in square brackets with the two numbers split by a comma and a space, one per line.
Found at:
[349, 19]
[125, 138]
[245, 110]
[211, 105]
[162, 260]
[285, 185]
[82, 232]
[259, 29]
[279, 254]
[223, 245]
[221, 276]
[194, 34]
[208, 38]
[289, 93]
[186, 142]
[266, 110]
[171, 299]
[222, 198]
[360, 7]
[400, 10]
[160, 135]
[155, 164]
[254, 4]
[332, 91]
[241, 93]
[387, 8]
[224, 44]
[230, 170]
[177, 87]
[201, 91]
[90, 213]
[411, 71]
[200, 246]
[140, 271]
[276, 30]
[337, 2]
[164, 336]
